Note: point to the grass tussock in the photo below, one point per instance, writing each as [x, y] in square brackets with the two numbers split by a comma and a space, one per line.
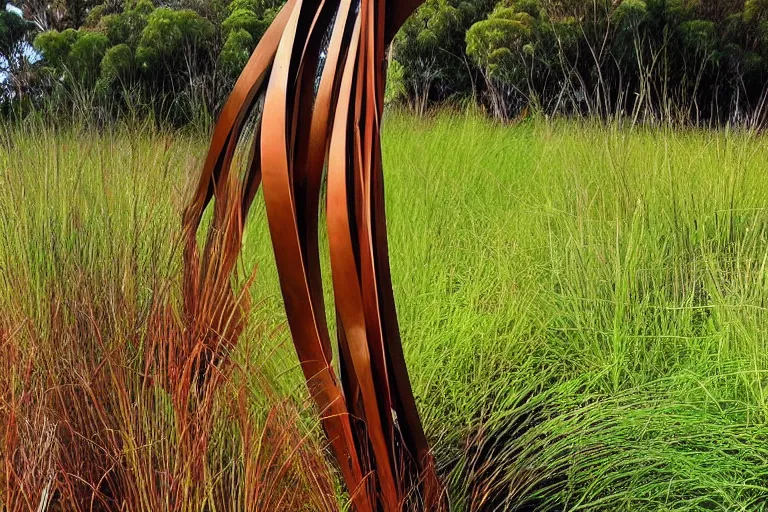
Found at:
[101, 407]
[583, 311]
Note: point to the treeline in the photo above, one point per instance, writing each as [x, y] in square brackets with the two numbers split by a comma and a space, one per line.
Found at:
[176, 60]
[686, 61]
[674, 60]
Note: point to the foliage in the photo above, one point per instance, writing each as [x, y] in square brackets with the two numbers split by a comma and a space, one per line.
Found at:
[85, 55]
[236, 51]
[77, 53]
[651, 60]
[168, 35]
[395, 88]
[260, 7]
[15, 76]
[55, 46]
[95, 16]
[430, 46]
[117, 64]
[127, 26]
[670, 60]
[243, 19]
[13, 31]
[155, 52]
[242, 29]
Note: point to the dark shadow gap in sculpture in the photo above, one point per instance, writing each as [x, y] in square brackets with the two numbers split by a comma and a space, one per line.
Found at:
[318, 111]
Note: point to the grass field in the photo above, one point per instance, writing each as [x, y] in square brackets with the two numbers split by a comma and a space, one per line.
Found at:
[584, 313]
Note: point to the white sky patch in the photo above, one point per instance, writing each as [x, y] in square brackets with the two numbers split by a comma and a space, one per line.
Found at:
[15, 10]
[30, 53]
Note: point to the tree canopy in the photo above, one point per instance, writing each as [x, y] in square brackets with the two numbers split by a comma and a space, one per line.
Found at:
[675, 60]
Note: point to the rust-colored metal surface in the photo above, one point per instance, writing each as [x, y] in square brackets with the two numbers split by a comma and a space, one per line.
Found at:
[316, 84]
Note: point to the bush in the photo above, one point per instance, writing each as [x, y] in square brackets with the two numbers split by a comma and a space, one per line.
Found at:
[243, 19]
[54, 46]
[395, 87]
[86, 54]
[237, 49]
[117, 64]
[95, 16]
[125, 27]
[495, 43]
[168, 35]
[258, 6]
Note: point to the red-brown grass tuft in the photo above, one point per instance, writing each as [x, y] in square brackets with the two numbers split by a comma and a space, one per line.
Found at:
[101, 409]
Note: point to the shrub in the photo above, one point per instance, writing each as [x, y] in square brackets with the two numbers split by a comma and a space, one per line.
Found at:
[117, 64]
[243, 19]
[237, 49]
[168, 35]
[54, 46]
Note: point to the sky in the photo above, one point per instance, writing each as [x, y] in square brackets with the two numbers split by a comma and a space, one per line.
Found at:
[32, 55]
[13, 9]
[30, 52]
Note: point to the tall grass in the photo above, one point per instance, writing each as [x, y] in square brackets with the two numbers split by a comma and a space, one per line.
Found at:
[583, 312]
[98, 406]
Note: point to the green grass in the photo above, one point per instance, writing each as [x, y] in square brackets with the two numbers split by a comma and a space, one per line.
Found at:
[584, 308]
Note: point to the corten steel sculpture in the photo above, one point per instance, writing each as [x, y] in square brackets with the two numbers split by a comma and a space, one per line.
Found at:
[316, 84]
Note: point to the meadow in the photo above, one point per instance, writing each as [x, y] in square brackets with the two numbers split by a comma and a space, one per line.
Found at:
[584, 311]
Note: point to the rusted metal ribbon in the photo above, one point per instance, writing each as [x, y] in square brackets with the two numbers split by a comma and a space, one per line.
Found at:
[320, 69]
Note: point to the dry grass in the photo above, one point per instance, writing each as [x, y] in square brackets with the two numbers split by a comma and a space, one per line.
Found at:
[107, 399]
